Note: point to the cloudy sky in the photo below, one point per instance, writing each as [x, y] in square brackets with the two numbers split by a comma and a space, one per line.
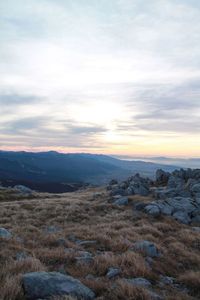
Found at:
[115, 77]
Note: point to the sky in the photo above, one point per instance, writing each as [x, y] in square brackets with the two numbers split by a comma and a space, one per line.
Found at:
[115, 77]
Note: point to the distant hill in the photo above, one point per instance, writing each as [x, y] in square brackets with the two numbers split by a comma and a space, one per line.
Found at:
[57, 172]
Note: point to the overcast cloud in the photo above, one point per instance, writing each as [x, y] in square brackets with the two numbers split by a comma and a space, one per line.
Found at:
[116, 76]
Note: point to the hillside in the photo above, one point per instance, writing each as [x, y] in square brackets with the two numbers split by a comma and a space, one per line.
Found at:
[57, 172]
[115, 246]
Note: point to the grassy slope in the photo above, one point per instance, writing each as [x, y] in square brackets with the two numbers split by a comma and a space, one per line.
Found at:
[114, 228]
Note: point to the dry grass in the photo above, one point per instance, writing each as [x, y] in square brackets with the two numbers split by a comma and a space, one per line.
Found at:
[192, 280]
[79, 215]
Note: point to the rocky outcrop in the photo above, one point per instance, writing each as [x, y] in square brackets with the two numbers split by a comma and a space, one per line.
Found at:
[178, 198]
[134, 185]
[44, 285]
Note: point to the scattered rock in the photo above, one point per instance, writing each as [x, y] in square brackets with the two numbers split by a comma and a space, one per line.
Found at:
[196, 188]
[155, 296]
[21, 256]
[152, 209]
[148, 248]
[23, 189]
[52, 229]
[196, 229]
[139, 206]
[166, 280]
[113, 182]
[139, 281]
[182, 217]
[121, 201]
[44, 285]
[84, 257]
[5, 234]
[113, 272]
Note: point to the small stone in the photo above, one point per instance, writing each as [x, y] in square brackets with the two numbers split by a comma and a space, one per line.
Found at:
[21, 256]
[5, 234]
[196, 229]
[113, 272]
[140, 281]
[148, 248]
[166, 280]
[52, 229]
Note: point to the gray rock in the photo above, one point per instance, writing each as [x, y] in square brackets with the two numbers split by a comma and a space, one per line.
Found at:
[166, 280]
[163, 193]
[113, 272]
[130, 191]
[197, 198]
[196, 229]
[97, 195]
[141, 190]
[152, 209]
[52, 229]
[165, 208]
[45, 285]
[182, 204]
[175, 182]
[118, 191]
[113, 182]
[5, 234]
[155, 296]
[84, 257]
[182, 217]
[139, 206]
[162, 176]
[121, 201]
[196, 188]
[21, 256]
[23, 189]
[139, 281]
[148, 248]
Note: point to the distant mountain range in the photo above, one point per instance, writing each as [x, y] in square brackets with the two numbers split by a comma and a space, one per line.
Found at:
[193, 163]
[57, 172]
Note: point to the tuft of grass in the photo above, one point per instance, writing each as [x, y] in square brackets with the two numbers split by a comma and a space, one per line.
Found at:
[192, 280]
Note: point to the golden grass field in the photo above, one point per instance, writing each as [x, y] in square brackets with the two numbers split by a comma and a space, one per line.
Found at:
[115, 229]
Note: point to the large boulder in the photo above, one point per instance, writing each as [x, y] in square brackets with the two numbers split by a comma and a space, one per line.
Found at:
[182, 204]
[44, 285]
[5, 234]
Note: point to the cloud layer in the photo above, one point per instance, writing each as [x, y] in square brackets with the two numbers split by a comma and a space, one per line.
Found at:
[102, 76]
